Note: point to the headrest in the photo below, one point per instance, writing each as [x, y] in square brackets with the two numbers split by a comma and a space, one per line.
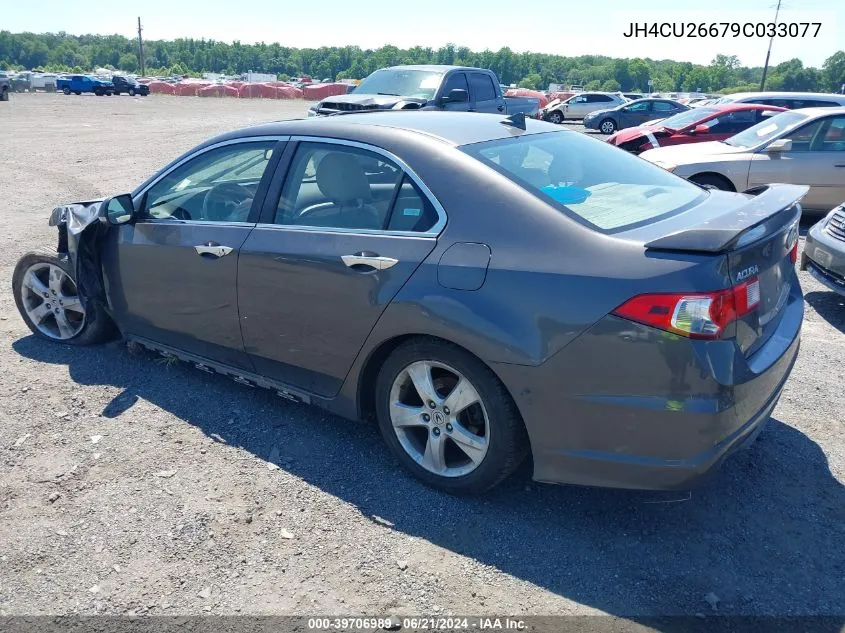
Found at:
[342, 180]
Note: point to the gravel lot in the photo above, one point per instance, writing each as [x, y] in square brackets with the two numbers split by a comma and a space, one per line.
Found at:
[128, 485]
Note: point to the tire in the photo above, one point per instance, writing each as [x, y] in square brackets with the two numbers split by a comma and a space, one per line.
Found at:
[66, 90]
[99, 92]
[86, 328]
[132, 92]
[77, 92]
[607, 126]
[712, 180]
[4, 94]
[556, 117]
[504, 439]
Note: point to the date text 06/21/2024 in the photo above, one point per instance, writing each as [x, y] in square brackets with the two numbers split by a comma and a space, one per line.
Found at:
[723, 29]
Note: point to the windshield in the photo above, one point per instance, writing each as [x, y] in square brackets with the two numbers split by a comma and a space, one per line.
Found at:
[766, 129]
[688, 117]
[599, 185]
[421, 84]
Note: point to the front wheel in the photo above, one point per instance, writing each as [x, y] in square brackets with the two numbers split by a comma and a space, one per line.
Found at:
[47, 299]
[132, 92]
[608, 126]
[556, 117]
[712, 181]
[66, 90]
[4, 95]
[447, 417]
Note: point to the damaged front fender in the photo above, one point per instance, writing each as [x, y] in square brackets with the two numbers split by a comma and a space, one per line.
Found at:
[81, 233]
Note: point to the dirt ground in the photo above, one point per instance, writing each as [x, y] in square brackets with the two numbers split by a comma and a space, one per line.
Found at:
[128, 485]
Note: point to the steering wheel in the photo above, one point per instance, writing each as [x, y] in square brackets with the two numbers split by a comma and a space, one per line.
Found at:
[227, 202]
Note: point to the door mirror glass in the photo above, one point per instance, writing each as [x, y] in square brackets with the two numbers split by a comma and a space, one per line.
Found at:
[456, 95]
[779, 145]
[118, 210]
[700, 129]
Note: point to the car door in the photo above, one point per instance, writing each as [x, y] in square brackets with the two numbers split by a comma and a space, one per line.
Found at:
[171, 274]
[636, 114]
[817, 159]
[457, 81]
[484, 94]
[576, 107]
[339, 236]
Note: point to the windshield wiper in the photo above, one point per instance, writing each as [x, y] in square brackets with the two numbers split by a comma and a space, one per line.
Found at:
[388, 94]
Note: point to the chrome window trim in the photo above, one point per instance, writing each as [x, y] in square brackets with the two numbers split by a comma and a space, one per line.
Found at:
[434, 231]
[233, 141]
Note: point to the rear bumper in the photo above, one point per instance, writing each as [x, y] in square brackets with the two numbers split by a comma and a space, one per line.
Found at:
[644, 410]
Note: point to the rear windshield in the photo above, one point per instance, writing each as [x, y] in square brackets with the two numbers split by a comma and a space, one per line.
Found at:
[599, 185]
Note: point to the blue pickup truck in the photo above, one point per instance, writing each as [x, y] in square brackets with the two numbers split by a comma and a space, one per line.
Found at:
[428, 87]
[77, 84]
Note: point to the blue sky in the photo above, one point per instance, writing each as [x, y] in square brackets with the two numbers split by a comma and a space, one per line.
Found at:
[580, 28]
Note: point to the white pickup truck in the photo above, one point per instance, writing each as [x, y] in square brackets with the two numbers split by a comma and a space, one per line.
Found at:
[28, 81]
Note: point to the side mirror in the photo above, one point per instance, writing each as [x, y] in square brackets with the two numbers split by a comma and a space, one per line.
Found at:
[117, 210]
[456, 95]
[699, 129]
[779, 145]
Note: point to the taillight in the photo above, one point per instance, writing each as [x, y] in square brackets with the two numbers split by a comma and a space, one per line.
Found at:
[793, 237]
[702, 316]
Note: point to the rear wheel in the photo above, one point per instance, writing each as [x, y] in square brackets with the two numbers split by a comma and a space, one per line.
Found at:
[4, 94]
[608, 126]
[47, 298]
[99, 92]
[556, 117]
[77, 92]
[448, 418]
[712, 180]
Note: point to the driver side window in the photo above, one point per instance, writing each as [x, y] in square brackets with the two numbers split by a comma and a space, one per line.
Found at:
[218, 185]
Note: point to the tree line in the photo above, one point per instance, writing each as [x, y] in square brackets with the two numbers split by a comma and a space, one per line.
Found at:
[57, 52]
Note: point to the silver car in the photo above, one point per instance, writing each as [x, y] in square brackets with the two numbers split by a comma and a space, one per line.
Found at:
[580, 105]
[801, 147]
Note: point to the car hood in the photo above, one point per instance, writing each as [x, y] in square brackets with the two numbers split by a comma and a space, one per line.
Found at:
[631, 133]
[371, 101]
[692, 152]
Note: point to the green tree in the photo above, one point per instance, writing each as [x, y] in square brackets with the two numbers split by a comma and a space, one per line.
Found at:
[833, 71]
[128, 62]
[611, 85]
[595, 84]
[531, 81]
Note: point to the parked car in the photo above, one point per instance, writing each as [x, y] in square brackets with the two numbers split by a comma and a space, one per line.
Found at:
[29, 81]
[77, 84]
[580, 105]
[803, 147]
[824, 250]
[398, 266]
[131, 87]
[455, 88]
[697, 125]
[631, 113]
[788, 100]
[632, 96]
[5, 86]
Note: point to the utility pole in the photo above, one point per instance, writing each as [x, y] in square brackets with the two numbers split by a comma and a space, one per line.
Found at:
[141, 48]
[769, 52]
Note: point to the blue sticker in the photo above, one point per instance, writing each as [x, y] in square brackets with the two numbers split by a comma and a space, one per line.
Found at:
[566, 195]
[412, 212]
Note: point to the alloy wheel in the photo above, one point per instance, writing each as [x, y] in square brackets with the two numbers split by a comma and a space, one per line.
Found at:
[439, 418]
[51, 301]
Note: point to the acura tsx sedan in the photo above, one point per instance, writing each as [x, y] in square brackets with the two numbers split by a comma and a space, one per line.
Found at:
[484, 287]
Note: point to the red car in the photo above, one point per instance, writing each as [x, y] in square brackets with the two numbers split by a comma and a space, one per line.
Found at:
[707, 123]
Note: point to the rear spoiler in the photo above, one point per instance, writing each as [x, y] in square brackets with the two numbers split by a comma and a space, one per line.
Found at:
[724, 232]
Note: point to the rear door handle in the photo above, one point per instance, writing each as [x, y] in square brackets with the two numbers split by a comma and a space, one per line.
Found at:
[213, 249]
[372, 261]
[500, 107]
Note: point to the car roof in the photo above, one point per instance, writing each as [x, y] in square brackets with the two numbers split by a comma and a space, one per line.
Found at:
[733, 107]
[439, 68]
[452, 128]
[784, 95]
[818, 112]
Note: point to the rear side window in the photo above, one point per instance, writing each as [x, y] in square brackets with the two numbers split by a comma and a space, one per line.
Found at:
[599, 99]
[594, 183]
[483, 87]
[663, 106]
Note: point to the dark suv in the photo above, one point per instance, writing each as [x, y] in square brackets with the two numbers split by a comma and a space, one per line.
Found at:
[123, 84]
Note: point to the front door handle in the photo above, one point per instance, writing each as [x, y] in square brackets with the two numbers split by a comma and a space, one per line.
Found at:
[368, 260]
[840, 165]
[213, 249]
[500, 107]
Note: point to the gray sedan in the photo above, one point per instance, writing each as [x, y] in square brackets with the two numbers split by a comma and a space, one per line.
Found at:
[632, 114]
[484, 287]
[824, 251]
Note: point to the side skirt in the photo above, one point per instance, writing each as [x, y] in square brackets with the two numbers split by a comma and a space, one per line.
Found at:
[238, 375]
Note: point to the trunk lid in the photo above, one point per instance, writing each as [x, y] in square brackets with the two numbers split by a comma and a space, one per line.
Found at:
[757, 240]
